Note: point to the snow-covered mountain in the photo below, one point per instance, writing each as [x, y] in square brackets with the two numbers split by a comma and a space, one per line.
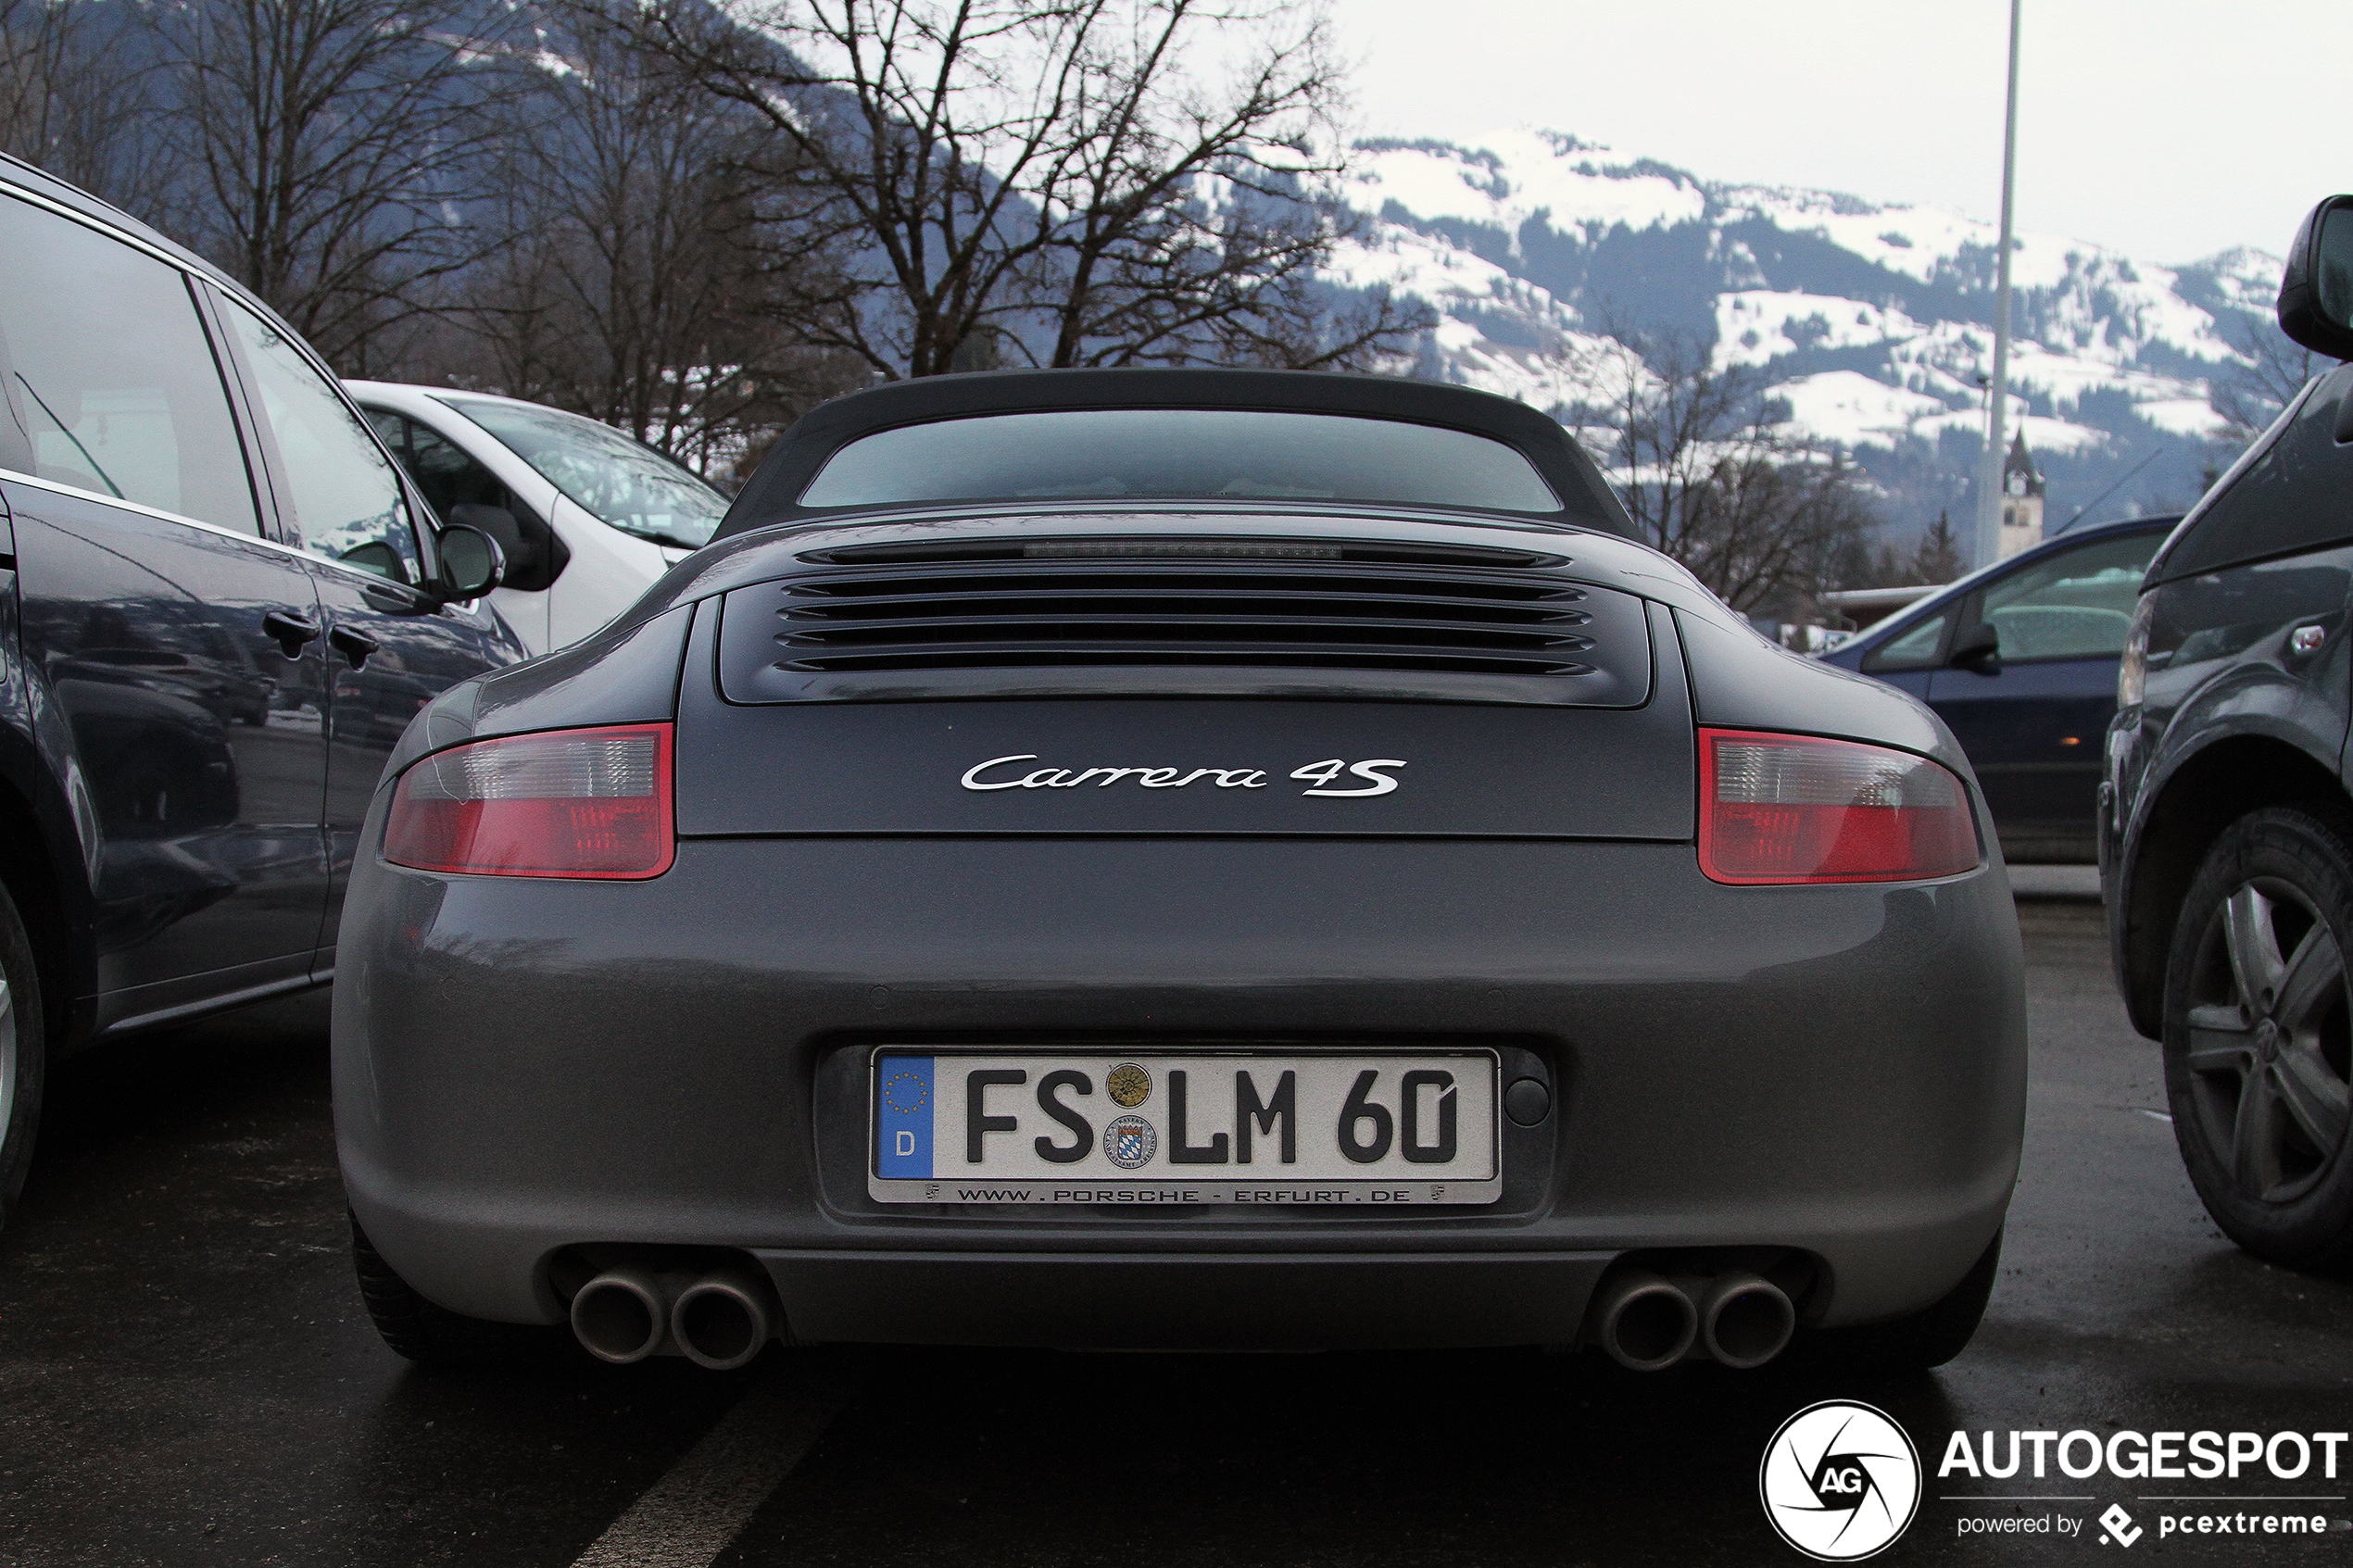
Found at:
[1872, 321]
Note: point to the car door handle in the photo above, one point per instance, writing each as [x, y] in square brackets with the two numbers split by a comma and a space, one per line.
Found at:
[290, 631]
[354, 646]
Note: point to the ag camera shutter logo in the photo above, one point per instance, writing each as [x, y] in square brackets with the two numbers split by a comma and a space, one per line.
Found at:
[1840, 1481]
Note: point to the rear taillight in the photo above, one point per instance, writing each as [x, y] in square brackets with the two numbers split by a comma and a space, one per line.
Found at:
[577, 803]
[1794, 809]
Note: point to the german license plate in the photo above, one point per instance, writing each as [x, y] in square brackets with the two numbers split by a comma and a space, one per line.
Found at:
[1359, 1127]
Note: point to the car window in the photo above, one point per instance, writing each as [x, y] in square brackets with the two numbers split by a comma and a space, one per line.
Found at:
[624, 482]
[1915, 649]
[2076, 604]
[450, 475]
[1091, 453]
[111, 385]
[2297, 495]
[347, 501]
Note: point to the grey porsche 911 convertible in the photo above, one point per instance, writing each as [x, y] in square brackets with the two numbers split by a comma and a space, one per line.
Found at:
[1178, 858]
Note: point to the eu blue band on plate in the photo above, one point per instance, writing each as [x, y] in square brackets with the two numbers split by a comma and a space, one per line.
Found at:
[902, 1116]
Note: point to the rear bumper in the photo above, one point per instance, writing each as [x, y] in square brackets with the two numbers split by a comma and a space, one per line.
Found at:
[1192, 1300]
[522, 1066]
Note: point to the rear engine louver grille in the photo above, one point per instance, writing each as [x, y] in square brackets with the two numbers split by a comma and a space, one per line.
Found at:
[1145, 617]
[1035, 614]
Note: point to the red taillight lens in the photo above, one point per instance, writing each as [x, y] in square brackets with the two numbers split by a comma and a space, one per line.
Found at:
[1793, 808]
[580, 803]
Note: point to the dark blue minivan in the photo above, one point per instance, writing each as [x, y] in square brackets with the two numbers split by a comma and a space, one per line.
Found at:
[2021, 659]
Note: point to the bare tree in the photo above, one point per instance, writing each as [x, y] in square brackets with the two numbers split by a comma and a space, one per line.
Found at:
[72, 101]
[1045, 181]
[625, 287]
[2271, 369]
[330, 148]
[1713, 475]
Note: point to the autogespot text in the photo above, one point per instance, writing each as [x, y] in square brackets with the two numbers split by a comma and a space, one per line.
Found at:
[2136, 1456]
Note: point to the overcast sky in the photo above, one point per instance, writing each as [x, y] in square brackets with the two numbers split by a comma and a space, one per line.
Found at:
[2166, 128]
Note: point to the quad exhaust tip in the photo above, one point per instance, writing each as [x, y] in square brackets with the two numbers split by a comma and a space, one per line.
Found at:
[1643, 1321]
[724, 1318]
[719, 1320]
[1647, 1322]
[1746, 1319]
[622, 1315]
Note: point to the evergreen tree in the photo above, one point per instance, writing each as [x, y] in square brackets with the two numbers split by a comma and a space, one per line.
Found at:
[1939, 556]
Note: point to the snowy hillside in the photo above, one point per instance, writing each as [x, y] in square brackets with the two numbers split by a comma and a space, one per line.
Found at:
[1871, 320]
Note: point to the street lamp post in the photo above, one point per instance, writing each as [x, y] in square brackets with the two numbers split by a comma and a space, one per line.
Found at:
[1989, 485]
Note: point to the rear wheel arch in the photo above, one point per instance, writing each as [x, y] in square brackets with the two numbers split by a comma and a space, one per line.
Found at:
[31, 877]
[36, 956]
[2197, 801]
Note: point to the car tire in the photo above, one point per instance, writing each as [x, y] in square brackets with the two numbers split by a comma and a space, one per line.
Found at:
[423, 1332]
[2258, 1037]
[24, 1041]
[1927, 1338]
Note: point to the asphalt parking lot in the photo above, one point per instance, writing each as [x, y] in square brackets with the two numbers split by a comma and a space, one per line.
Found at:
[186, 1377]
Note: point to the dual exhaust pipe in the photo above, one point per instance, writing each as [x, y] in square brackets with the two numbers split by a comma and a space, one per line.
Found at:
[1649, 1323]
[719, 1320]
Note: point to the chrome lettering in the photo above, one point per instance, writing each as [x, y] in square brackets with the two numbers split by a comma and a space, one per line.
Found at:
[1382, 783]
[1320, 774]
[972, 775]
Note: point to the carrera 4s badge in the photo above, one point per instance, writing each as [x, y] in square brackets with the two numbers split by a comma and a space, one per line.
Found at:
[1319, 776]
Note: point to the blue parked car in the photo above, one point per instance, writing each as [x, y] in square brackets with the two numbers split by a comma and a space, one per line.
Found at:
[2020, 660]
[221, 604]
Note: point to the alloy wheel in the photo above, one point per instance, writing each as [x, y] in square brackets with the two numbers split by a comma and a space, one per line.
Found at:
[2269, 1052]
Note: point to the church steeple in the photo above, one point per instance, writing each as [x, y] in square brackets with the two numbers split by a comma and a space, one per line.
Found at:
[2018, 477]
[2021, 499]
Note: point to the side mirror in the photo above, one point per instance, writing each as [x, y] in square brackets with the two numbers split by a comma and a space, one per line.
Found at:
[2316, 286]
[500, 524]
[1978, 649]
[471, 564]
[535, 553]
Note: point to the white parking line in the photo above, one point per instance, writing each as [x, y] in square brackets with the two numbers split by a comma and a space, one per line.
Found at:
[686, 1518]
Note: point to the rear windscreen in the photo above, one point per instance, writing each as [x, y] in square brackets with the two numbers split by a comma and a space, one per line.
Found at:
[1180, 454]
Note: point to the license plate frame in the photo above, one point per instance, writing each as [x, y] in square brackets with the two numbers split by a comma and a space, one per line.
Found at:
[922, 1122]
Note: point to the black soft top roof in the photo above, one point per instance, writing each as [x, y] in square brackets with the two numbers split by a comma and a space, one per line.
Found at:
[774, 490]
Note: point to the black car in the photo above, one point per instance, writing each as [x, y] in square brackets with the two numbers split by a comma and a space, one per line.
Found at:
[2020, 660]
[217, 612]
[2226, 842]
[1186, 858]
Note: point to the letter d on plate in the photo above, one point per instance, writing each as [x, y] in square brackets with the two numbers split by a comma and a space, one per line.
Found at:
[902, 1116]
